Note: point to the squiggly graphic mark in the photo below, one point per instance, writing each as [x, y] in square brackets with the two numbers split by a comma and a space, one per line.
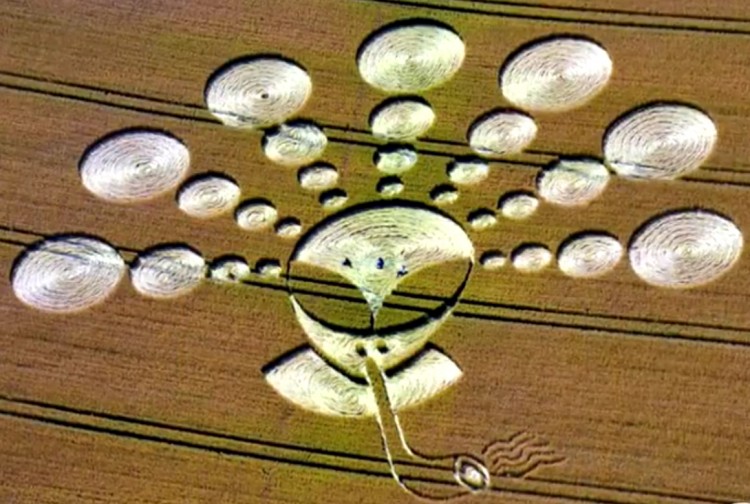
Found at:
[521, 454]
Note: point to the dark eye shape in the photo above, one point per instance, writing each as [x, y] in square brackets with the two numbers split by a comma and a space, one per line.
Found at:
[347, 263]
[382, 347]
[361, 351]
[402, 271]
[381, 263]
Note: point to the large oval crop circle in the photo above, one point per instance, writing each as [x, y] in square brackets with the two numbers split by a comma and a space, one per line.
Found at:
[684, 249]
[410, 57]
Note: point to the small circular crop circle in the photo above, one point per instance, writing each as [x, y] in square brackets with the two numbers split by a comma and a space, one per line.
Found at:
[258, 92]
[683, 249]
[67, 273]
[573, 182]
[531, 258]
[467, 171]
[295, 144]
[208, 196]
[518, 205]
[493, 260]
[256, 214]
[555, 74]
[410, 57]
[471, 474]
[395, 160]
[318, 177]
[134, 165]
[589, 255]
[482, 219]
[444, 194]
[389, 187]
[288, 227]
[402, 120]
[230, 269]
[659, 141]
[168, 272]
[333, 199]
[501, 133]
[268, 268]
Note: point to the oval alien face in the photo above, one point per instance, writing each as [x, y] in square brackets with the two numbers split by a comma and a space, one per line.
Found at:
[375, 247]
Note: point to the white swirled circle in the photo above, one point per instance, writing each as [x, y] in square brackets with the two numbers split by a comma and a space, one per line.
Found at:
[255, 215]
[531, 258]
[482, 219]
[502, 133]
[134, 166]
[518, 205]
[685, 249]
[168, 272]
[493, 260]
[444, 194]
[288, 227]
[556, 74]
[229, 269]
[333, 199]
[295, 144]
[468, 172]
[268, 268]
[258, 93]
[573, 182]
[402, 120]
[208, 196]
[589, 255]
[388, 187]
[411, 59]
[661, 141]
[67, 273]
[396, 161]
[318, 177]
